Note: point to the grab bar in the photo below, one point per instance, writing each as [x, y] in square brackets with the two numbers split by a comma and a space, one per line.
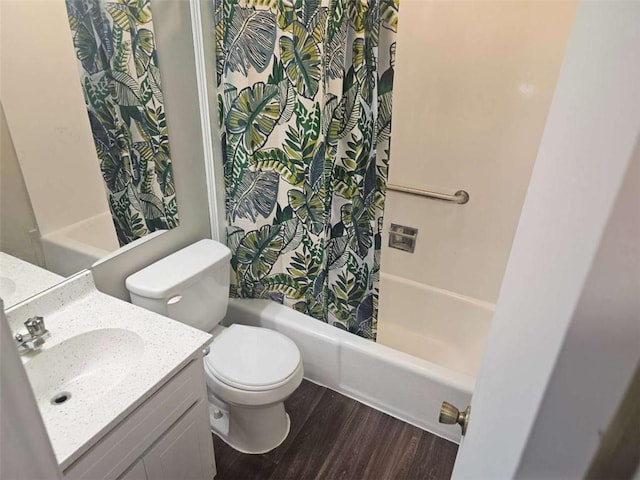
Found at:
[459, 197]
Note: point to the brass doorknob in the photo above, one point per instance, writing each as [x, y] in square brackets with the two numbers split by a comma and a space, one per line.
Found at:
[451, 415]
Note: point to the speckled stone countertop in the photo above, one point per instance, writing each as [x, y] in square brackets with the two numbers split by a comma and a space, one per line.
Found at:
[75, 307]
[20, 280]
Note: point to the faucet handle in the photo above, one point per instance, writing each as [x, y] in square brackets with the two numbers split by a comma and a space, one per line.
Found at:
[37, 334]
[35, 326]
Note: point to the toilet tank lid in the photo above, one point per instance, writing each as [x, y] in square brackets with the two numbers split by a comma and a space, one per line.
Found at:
[168, 274]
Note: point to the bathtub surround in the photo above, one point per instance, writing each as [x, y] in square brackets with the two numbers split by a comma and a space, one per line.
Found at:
[120, 77]
[469, 115]
[304, 93]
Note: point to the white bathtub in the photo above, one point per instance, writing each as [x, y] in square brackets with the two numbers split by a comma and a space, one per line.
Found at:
[78, 246]
[404, 386]
[436, 325]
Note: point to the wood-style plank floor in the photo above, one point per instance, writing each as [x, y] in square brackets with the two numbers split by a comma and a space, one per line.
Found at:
[334, 437]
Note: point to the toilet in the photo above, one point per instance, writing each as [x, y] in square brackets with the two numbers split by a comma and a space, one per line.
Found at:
[250, 371]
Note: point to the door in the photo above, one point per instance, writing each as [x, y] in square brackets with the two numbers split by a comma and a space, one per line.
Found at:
[570, 281]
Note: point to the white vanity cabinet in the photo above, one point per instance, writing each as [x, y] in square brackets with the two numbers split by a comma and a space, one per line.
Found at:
[166, 437]
[180, 453]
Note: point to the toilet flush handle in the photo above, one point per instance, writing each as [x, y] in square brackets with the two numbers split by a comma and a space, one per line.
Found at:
[175, 299]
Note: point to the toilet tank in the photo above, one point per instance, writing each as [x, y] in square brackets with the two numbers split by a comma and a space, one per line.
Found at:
[190, 285]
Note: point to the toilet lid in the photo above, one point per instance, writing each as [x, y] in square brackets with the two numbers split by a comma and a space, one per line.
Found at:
[252, 358]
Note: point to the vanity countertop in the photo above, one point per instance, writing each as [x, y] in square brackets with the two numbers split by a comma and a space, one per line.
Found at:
[162, 348]
[20, 280]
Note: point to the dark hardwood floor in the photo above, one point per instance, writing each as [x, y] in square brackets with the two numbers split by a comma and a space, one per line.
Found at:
[334, 437]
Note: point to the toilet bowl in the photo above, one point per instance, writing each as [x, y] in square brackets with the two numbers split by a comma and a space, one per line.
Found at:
[250, 371]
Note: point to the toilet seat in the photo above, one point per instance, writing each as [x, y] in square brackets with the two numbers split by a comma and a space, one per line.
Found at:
[253, 359]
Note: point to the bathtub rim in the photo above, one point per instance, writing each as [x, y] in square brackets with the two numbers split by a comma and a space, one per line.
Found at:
[64, 237]
[329, 354]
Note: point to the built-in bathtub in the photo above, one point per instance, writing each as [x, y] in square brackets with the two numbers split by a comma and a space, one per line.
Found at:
[438, 325]
[402, 385]
[78, 246]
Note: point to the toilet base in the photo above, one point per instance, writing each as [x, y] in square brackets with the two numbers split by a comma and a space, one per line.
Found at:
[252, 430]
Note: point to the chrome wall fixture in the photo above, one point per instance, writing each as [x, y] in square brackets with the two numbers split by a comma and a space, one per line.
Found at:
[460, 197]
[402, 237]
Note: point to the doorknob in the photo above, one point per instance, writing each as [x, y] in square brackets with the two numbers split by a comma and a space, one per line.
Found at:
[451, 415]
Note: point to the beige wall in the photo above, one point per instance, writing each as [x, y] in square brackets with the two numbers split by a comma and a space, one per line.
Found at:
[46, 113]
[16, 214]
[473, 85]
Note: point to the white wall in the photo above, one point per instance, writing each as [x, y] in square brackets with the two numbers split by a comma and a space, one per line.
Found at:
[588, 143]
[16, 215]
[174, 39]
[472, 88]
[47, 117]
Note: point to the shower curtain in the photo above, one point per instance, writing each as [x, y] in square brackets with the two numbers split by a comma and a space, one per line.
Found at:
[118, 62]
[304, 95]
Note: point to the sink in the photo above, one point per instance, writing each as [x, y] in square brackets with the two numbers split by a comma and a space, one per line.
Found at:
[103, 360]
[84, 368]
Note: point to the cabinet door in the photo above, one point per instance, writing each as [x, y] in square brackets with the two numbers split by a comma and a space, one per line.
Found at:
[185, 452]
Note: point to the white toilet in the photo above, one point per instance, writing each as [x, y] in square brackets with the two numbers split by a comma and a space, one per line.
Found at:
[250, 371]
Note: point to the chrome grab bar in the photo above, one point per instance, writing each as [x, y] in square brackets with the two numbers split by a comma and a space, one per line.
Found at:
[459, 197]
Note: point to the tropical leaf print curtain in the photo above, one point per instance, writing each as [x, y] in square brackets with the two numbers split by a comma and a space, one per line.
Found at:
[118, 62]
[305, 92]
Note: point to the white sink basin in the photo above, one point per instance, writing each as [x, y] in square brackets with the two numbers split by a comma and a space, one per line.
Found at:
[106, 355]
[83, 368]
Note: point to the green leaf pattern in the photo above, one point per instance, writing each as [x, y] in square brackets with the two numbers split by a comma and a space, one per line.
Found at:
[305, 90]
[118, 62]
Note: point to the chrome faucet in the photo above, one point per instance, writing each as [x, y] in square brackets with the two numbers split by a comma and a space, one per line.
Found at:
[35, 336]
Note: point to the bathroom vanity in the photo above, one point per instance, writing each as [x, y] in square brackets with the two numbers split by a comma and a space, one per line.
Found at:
[121, 389]
[166, 437]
